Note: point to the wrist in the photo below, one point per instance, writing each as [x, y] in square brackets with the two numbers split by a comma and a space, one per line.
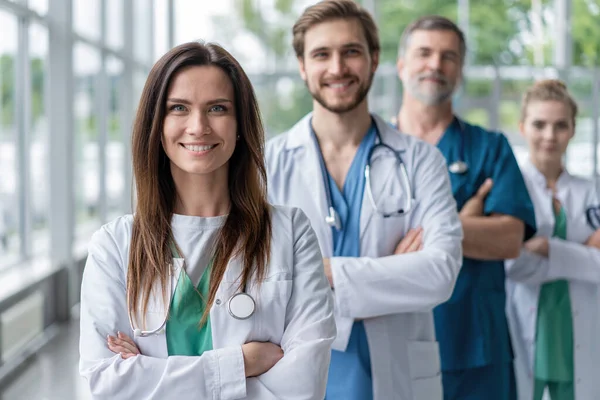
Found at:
[247, 364]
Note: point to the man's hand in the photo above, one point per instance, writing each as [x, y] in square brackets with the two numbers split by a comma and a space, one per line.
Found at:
[412, 241]
[328, 274]
[594, 240]
[538, 245]
[474, 206]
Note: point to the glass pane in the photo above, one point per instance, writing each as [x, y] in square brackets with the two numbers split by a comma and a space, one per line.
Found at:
[283, 101]
[586, 32]
[86, 18]
[115, 149]
[40, 6]
[139, 80]
[87, 161]
[38, 152]
[161, 28]
[507, 38]
[10, 181]
[580, 153]
[142, 35]
[114, 23]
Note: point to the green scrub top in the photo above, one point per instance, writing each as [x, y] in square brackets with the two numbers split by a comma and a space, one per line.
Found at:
[554, 337]
[185, 336]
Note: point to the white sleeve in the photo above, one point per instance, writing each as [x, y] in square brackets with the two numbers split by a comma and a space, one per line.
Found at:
[413, 282]
[217, 374]
[573, 261]
[309, 331]
[529, 268]
[566, 260]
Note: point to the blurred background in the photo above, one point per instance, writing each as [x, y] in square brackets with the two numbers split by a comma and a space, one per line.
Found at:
[71, 72]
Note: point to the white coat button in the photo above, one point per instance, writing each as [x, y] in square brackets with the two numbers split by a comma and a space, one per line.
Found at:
[218, 302]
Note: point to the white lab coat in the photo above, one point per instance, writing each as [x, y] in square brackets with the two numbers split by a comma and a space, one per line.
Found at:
[568, 259]
[394, 294]
[294, 309]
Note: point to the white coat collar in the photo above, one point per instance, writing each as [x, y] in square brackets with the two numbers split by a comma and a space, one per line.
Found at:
[540, 180]
[299, 135]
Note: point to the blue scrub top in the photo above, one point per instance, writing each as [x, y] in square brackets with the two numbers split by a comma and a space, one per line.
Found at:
[350, 370]
[471, 327]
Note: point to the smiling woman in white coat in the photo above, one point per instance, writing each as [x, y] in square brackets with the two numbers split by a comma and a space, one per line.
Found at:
[207, 291]
[553, 286]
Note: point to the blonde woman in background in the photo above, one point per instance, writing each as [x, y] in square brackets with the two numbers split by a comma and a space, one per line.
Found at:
[553, 286]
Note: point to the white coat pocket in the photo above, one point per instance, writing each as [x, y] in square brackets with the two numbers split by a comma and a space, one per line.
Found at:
[271, 306]
[424, 362]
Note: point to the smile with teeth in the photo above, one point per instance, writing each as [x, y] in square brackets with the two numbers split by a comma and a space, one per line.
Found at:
[339, 85]
[199, 148]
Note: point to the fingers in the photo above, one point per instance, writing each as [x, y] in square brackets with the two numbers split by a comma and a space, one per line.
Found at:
[126, 338]
[410, 242]
[485, 188]
[417, 243]
[122, 343]
[406, 241]
[118, 349]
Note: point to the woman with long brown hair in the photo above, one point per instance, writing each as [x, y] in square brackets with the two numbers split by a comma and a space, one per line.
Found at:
[207, 291]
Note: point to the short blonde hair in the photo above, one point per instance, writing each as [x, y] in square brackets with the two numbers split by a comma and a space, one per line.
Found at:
[329, 10]
[548, 90]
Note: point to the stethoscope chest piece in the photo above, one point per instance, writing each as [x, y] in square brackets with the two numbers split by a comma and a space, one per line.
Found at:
[241, 306]
[458, 167]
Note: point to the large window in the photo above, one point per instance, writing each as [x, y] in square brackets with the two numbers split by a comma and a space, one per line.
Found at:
[9, 150]
[87, 157]
[38, 139]
[71, 72]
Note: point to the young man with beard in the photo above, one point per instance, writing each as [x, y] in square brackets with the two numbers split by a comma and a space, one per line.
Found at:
[495, 211]
[381, 205]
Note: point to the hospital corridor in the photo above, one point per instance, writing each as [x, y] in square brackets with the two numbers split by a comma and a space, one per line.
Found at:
[316, 199]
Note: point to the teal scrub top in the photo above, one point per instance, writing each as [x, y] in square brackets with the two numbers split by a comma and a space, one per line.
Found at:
[471, 327]
[350, 371]
[185, 336]
[554, 334]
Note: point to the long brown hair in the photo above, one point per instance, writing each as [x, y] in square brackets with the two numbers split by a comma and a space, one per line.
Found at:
[247, 229]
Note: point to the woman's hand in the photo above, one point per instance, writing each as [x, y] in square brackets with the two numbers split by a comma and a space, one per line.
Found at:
[123, 345]
[538, 245]
[259, 357]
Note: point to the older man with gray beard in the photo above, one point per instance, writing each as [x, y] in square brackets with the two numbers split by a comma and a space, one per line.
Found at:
[495, 210]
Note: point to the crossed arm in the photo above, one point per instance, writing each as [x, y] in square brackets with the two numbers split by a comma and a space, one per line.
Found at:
[493, 237]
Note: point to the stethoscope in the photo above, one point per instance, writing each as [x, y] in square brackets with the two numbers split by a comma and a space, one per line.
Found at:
[240, 306]
[333, 218]
[592, 215]
[459, 166]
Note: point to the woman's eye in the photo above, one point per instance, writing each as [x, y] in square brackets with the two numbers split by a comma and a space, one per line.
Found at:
[218, 108]
[177, 107]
